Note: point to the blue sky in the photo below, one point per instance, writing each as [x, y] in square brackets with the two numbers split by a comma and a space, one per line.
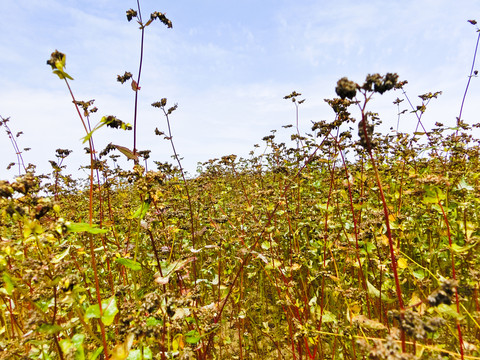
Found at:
[227, 64]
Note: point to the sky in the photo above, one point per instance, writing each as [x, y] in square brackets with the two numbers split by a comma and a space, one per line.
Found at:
[227, 64]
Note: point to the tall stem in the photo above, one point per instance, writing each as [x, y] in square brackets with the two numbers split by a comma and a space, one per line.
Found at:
[138, 81]
[386, 216]
[468, 83]
[190, 206]
[90, 217]
[454, 275]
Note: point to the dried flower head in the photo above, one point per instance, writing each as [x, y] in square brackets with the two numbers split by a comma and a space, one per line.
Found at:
[6, 190]
[443, 295]
[55, 58]
[63, 153]
[365, 126]
[57, 62]
[160, 16]
[131, 14]
[160, 104]
[346, 88]
[123, 78]
[385, 350]
[412, 323]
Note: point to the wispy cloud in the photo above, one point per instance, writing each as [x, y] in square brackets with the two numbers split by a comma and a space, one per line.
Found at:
[227, 65]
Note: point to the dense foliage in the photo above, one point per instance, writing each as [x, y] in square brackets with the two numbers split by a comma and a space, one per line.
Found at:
[331, 246]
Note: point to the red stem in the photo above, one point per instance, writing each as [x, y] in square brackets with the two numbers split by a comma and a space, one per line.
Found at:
[90, 215]
[386, 216]
[454, 275]
[138, 80]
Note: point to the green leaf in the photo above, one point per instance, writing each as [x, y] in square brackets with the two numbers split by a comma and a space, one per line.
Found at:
[96, 353]
[449, 310]
[461, 249]
[49, 329]
[109, 310]
[192, 337]
[463, 185]
[9, 284]
[151, 321]
[142, 210]
[60, 256]
[147, 353]
[328, 317]
[90, 133]
[433, 195]
[77, 339]
[109, 307]
[76, 343]
[84, 227]
[66, 345]
[265, 245]
[88, 136]
[134, 355]
[373, 291]
[369, 247]
[132, 265]
[168, 269]
[62, 74]
[419, 274]
[430, 200]
[137, 354]
[44, 356]
[93, 311]
[274, 264]
[104, 121]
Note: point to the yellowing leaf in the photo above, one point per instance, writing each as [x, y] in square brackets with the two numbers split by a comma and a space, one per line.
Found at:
[62, 74]
[449, 310]
[9, 284]
[376, 293]
[384, 239]
[121, 351]
[60, 256]
[363, 321]
[84, 227]
[296, 267]
[162, 280]
[327, 317]
[275, 264]
[415, 300]
[32, 227]
[462, 249]
[402, 263]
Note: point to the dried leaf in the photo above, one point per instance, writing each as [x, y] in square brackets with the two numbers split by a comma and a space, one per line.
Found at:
[135, 86]
[127, 152]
